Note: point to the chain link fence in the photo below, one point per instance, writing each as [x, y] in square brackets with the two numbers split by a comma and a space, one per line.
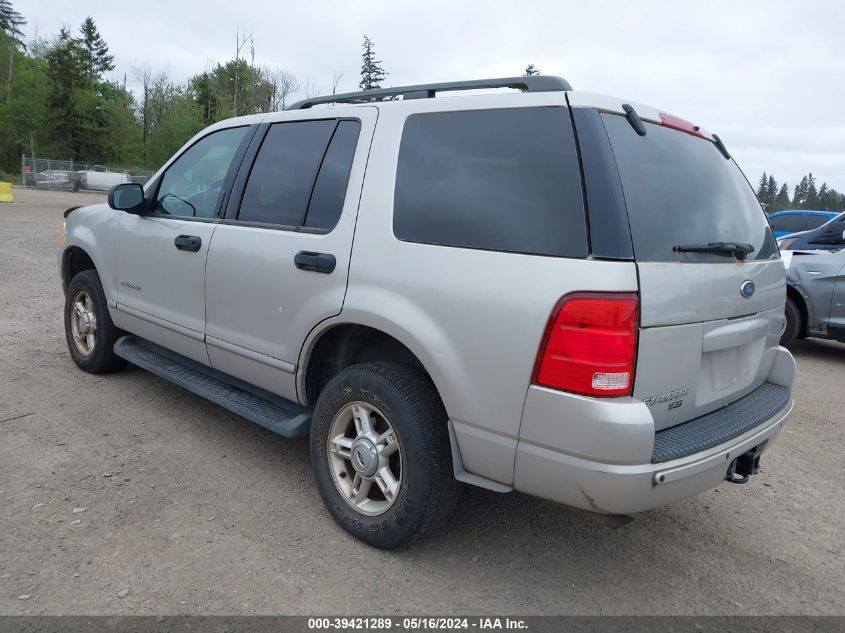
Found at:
[68, 175]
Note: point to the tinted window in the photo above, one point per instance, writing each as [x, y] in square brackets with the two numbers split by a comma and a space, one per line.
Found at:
[789, 223]
[505, 180]
[282, 177]
[815, 221]
[330, 188]
[831, 234]
[191, 185]
[680, 190]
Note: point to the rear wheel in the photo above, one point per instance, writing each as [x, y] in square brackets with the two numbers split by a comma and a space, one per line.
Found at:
[380, 454]
[793, 322]
[89, 330]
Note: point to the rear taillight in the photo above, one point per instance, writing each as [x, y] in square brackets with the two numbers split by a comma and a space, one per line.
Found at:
[590, 345]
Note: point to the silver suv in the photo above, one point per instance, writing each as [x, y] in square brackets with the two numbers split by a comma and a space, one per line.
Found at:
[539, 290]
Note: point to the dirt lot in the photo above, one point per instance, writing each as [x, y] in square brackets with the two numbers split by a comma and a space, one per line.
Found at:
[190, 509]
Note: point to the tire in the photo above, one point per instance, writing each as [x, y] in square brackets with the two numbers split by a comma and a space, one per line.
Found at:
[793, 323]
[416, 498]
[92, 349]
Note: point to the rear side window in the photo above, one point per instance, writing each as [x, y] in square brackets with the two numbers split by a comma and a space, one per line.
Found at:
[504, 180]
[680, 191]
[815, 221]
[790, 223]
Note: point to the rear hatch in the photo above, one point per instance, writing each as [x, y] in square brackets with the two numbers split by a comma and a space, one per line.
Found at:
[711, 314]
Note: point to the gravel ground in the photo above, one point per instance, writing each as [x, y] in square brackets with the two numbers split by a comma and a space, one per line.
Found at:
[124, 494]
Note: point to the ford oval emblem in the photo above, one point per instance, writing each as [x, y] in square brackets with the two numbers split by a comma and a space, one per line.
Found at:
[747, 288]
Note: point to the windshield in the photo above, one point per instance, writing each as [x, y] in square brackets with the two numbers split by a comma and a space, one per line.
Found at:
[679, 191]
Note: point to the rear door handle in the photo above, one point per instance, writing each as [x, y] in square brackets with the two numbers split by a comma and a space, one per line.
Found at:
[316, 262]
[190, 243]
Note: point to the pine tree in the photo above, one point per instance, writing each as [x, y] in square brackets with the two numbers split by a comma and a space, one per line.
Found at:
[372, 73]
[812, 199]
[763, 188]
[530, 70]
[66, 68]
[824, 197]
[782, 200]
[771, 190]
[11, 22]
[800, 196]
[98, 59]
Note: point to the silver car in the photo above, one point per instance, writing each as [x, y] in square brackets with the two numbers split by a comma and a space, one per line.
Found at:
[815, 303]
[541, 290]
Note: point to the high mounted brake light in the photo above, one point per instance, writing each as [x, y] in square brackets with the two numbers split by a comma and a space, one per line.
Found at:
[677, 123]
[590, 345]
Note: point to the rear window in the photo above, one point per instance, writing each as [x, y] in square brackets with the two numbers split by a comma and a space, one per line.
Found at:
[789, 223]
[504, 180]
[680, 190]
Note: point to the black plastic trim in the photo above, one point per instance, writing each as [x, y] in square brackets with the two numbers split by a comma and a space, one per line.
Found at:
[721, 425]
[721, 146]
[610, 232]
[315, 262]
[634, 119]
[273, 412]
[537, 83]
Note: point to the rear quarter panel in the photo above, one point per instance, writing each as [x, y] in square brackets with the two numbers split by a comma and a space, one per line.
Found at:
[474, 318]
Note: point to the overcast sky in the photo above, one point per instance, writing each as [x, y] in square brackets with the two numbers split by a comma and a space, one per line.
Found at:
[768, 76]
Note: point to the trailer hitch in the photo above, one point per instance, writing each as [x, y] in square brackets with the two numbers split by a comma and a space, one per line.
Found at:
[744, 466]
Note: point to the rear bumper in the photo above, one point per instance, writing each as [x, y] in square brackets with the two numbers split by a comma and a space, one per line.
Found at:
[600, 455]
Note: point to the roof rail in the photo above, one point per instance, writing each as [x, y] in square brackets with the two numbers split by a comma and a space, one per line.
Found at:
[534, 83]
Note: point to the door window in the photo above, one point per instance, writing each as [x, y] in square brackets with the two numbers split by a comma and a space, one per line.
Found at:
[295, 160]
[191, 186]
[330, 187]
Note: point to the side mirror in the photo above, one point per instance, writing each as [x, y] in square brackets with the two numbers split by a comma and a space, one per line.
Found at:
[127, 196]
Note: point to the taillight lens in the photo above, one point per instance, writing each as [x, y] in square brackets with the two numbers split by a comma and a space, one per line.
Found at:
[682, 125]
[590, 345]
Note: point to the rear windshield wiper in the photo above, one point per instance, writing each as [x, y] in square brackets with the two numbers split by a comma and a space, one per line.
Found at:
[739, 250]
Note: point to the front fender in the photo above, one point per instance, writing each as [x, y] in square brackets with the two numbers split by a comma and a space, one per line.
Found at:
[93, 229]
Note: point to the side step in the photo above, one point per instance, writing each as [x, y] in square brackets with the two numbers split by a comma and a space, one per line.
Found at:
[256, 405]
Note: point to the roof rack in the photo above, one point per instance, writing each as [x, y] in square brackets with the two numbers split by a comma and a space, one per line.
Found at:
[534, 83]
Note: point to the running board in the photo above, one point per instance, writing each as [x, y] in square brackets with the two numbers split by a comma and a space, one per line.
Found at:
[256, 405]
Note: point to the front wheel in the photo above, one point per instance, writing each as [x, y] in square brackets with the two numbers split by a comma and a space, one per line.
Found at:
[380, 454]
[89, 330]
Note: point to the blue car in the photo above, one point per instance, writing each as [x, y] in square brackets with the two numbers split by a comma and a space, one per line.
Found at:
[789, 222]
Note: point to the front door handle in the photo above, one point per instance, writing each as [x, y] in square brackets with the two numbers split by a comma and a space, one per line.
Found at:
[190, 243]
[316, 262]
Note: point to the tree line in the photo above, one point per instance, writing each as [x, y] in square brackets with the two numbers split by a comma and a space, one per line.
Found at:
[56, 101]
[805, 195]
